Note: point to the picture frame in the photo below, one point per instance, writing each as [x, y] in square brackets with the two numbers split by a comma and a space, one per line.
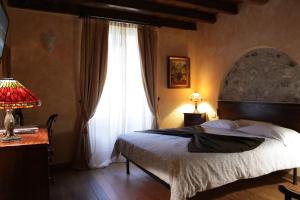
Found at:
[179, 72]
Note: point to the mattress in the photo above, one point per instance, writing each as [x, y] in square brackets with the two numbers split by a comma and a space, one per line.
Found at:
[167, 157]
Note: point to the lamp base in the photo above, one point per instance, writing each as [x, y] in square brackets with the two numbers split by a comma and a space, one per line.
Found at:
[9, 123]
[10, 138]
[196, 107]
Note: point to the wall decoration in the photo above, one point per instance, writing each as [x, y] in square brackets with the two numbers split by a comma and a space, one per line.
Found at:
[178, 72]
[263, 75]
[48, 40]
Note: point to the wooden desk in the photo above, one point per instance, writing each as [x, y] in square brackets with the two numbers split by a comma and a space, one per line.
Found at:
[24, 168]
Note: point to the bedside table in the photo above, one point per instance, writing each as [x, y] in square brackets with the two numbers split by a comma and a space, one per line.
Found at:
[193, 119]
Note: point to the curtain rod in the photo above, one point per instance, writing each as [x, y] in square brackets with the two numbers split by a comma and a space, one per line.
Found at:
[117, 20]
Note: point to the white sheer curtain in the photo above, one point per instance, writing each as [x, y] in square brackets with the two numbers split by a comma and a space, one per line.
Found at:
[123, 106]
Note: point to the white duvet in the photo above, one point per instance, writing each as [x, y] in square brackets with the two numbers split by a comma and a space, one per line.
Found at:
[168, 158]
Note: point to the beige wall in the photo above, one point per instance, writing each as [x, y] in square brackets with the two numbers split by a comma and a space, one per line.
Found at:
[52, 76]
[275, 24]
[174, 102]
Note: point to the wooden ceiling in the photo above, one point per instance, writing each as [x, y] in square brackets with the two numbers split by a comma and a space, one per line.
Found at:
[183, 14]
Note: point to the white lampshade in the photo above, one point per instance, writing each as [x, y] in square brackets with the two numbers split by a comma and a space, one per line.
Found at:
[195, 97]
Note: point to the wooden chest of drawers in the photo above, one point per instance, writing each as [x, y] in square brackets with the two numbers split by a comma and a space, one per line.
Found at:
[193, 119]
[24, 168]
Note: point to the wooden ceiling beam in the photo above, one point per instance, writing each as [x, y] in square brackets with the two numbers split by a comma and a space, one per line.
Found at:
[162, 8]
[222, 6]
[66, 7]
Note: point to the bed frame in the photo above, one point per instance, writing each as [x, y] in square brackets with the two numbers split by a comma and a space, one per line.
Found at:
[283, 114]
[146, 171]
[286, 115]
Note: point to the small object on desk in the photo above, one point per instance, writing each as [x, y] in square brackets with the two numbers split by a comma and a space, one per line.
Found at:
[193, 119]
[23, 129]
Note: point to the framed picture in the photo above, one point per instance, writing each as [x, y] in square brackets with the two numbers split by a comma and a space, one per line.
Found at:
[178, 72]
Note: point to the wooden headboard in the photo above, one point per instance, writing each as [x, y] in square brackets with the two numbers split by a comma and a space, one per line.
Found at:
[286, 115]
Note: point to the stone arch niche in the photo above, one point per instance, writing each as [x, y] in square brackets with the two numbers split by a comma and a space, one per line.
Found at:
[263, 75]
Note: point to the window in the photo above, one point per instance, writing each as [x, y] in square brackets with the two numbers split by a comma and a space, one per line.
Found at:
[123, 106]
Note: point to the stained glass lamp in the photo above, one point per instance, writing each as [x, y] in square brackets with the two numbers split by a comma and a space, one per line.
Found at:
[196, 97]
[14, 95]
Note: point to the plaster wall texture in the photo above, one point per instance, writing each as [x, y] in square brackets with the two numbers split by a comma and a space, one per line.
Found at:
[275, 24]
[45, 58]
[174, 102]
[46, 53]
[263, 75]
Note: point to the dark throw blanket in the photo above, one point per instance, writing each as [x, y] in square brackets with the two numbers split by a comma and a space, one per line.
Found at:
[202, 142]
[210, 143]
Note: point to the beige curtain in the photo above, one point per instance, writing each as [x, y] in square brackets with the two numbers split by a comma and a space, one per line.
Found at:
[147, 37]
[94, 52]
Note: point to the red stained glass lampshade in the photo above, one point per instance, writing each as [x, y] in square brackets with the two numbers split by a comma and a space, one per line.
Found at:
[14, 95]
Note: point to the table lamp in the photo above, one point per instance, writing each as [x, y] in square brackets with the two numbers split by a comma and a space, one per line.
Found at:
[14, 95]
[196, 97]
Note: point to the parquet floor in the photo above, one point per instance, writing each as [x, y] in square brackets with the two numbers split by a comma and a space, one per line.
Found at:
[112, 183]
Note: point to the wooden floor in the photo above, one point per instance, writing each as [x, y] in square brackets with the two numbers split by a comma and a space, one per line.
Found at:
[112, 183]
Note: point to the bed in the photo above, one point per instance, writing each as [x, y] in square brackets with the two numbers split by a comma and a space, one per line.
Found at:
[166, 157]
[261, 75]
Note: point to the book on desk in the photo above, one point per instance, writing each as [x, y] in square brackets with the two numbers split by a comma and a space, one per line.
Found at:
[23, 129]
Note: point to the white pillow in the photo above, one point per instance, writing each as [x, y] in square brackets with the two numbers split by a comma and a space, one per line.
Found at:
[271, 131]
[221, 123]
[247, 122]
